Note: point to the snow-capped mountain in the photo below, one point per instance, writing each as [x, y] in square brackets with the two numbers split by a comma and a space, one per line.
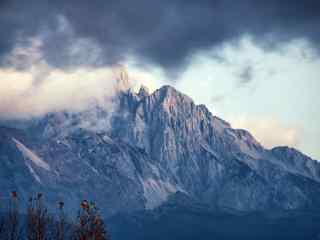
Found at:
[147, 149]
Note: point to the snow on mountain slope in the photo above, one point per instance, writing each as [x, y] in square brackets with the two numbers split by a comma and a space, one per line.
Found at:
[156, 192]
[35, 159]
[34, 174]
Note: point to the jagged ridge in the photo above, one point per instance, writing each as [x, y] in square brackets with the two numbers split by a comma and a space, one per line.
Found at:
[154, 146]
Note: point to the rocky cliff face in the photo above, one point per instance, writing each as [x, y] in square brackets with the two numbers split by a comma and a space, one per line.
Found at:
[151, 147]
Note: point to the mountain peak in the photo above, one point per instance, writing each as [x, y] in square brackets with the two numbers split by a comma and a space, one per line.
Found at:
[288, 152]
[144, 91]
[169, 90]
[295, 159]
[170, 94]
[155, 147]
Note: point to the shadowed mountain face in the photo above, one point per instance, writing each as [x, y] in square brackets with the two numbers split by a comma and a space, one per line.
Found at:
[151, 147]
[182, 218]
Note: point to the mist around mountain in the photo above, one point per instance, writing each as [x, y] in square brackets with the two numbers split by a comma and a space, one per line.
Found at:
[151, 147]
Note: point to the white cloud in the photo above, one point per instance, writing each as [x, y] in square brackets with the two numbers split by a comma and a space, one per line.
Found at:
[59, 90]
[270, 132]
[30, 87]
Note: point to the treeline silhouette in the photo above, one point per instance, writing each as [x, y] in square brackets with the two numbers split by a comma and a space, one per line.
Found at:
[36, 223]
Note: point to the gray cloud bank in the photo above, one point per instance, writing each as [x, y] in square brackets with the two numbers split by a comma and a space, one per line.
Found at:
[164, 32]
[31, 87]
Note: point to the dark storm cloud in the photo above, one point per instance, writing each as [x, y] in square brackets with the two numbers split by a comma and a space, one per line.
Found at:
[160, 32]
